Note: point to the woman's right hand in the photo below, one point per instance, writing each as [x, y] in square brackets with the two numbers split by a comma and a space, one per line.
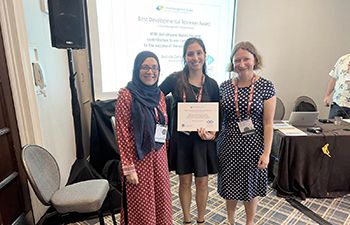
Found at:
[132, 178]
[206, 135]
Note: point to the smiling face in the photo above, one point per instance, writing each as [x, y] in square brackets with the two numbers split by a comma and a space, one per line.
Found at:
[243, 62]
[195, 57]
[149, 71]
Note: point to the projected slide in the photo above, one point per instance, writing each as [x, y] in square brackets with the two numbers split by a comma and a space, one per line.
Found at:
[162, 27]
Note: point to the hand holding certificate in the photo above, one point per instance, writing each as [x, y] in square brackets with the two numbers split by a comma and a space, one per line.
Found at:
[206, 135]
[195, 115]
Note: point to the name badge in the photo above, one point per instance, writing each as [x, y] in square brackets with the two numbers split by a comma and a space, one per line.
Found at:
[161, 132]
[246, 127]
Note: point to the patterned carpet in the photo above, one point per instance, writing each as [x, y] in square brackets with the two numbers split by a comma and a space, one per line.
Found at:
[271, 209]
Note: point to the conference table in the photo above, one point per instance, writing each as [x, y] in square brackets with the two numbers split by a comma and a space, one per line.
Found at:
[300, 167]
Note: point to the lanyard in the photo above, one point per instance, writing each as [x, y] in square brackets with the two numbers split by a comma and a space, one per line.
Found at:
[250, 99]
[157, 115]
[200, 92]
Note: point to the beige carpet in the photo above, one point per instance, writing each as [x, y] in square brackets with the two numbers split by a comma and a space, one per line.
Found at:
[271, 209]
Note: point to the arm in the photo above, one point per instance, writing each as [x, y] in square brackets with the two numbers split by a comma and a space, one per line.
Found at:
[214, 97]
[269, 112]
[330, 87]
[168, 84]
[125, 140]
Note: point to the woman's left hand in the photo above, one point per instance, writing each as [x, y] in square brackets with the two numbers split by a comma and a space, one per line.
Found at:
[206, 135]
[263, 161]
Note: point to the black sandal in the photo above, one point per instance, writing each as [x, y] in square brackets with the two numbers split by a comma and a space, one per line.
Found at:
[198, 222]
[187, 222]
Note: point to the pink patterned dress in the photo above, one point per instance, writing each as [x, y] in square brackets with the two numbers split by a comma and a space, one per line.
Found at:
[148, 202]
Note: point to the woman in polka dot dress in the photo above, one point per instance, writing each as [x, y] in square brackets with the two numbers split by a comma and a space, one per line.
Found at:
[244, 143]
[141, 133]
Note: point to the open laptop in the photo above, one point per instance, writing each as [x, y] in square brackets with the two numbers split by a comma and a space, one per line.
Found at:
[303, 119]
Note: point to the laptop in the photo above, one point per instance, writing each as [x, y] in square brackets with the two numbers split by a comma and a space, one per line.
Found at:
[303, 118]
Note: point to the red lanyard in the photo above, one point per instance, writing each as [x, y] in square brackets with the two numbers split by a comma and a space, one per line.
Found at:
[250, 99]
[158, 119]
[156, 113]
[200, 92]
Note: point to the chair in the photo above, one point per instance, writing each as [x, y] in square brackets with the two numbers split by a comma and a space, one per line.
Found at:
[280, 110]
[44, 176]
[304, 103]
[113, 125]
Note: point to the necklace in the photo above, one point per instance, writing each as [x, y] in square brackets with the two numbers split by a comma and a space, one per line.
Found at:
[195, 91]
[198, 97]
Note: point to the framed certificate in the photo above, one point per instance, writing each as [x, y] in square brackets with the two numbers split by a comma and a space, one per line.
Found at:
[194, 115]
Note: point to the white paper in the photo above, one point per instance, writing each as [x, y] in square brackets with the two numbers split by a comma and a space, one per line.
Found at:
[194, 115]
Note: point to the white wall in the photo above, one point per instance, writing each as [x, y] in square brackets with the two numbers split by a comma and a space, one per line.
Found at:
[299, 41]
[55, 111]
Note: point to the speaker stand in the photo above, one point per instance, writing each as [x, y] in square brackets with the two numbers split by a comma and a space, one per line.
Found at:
[75, 107]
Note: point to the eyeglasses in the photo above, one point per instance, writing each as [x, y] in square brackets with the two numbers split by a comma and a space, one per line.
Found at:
[154, 68]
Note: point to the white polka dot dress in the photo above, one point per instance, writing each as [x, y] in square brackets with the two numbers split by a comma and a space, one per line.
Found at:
[239, 177]
[148, 202]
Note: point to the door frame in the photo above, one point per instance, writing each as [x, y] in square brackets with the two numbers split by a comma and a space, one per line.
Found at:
[16, 47]
[20, 71]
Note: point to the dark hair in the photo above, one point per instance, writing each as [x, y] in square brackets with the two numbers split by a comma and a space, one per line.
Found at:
[188, 42]
[182, 82]
[245, 45]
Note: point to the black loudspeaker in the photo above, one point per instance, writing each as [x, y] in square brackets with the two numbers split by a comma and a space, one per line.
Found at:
[67, 23]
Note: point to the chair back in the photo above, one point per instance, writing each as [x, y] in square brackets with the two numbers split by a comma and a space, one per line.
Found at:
[42, 170]
[113, 125]
[280, 110]
[304, 104]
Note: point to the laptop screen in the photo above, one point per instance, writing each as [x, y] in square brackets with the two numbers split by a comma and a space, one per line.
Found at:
[303, 118]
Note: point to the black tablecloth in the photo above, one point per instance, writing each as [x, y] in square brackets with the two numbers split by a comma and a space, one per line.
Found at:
[303, 170]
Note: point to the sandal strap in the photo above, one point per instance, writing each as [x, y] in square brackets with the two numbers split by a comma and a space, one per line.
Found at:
[200, 221]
